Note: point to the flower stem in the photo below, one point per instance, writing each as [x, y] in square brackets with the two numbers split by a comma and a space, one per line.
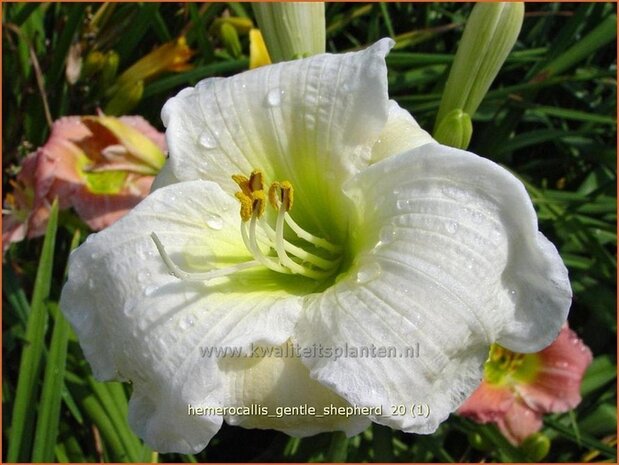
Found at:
[382, 439]
[338, 449]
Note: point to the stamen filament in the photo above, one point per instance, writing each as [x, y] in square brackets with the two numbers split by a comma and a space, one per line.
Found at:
[252, 245]
[303, 234]
[183, 275]
[298, 252]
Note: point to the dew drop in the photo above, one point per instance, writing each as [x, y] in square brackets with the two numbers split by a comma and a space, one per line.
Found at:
[387, 234]
[368, 272]
[451, 227]
[402, 204]
[215, 222]
[186, 323]
[274, 97]
[455, 193]
[149, 290]
[477, 216]
[207, 140]
[91, 283]
[94, 256]
[128, 307]
[512, 291]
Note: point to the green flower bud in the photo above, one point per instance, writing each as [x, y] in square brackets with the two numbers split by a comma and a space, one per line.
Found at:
[125, 99]
[292, 29]
[535, 447]
[455, 129]
[92, 64]
[241, 25]
[479, 442]
[489, 35]
[230, 39]
[110, 69]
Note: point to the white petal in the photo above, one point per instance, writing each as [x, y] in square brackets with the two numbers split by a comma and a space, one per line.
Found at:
[164, 178]
[400, 134]
[278, 380]
[448, 256]
[135, 321]
[312, 122]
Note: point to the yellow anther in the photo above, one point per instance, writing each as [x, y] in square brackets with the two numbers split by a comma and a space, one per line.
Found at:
[281, 194]
[243, 183]
[246, 205]
[252, 196]
[287, 193]
[255, 181]
[274, 195]
[259, 203]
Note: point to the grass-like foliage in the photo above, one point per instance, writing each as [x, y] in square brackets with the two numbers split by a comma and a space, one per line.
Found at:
[550, 118]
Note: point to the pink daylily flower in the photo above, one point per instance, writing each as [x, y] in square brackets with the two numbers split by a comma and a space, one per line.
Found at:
[101, 166]
[23, 215]
[519, 388]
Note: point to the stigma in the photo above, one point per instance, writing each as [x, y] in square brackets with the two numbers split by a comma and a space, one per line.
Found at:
[284, 247]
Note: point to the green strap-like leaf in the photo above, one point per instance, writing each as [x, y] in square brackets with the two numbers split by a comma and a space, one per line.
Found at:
[20, 435]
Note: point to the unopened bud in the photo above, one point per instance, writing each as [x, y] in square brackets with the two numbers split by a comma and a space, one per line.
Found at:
[241, 25]
[125, 99]
[230, 39]
[110, 69]
[455, 130]
[92, 64]
[535, 447]
[489, 35]
[292, 29]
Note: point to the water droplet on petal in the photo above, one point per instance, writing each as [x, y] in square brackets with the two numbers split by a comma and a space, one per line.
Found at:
[214, 221]
[512, 291]
[368, 272]
[477, 216]
[207, 140]
[455, 193]
[149, 290]
[451, 227]
[185, 323]
[387, 234]
[402, 204]
[94, 255]
[143, 276]
[274, 97]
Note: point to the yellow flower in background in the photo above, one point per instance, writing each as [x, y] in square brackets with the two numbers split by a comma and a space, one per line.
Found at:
[126, 93]
[258, 53]
[171, 56]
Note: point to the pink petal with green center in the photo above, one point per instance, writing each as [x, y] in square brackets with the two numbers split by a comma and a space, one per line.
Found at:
[556, 387]
[489, 403]
[101, 210]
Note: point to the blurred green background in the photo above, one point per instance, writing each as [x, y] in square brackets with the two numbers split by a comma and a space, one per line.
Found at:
[550, 118]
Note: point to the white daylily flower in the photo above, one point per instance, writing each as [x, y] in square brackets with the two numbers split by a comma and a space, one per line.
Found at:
[391, 239]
